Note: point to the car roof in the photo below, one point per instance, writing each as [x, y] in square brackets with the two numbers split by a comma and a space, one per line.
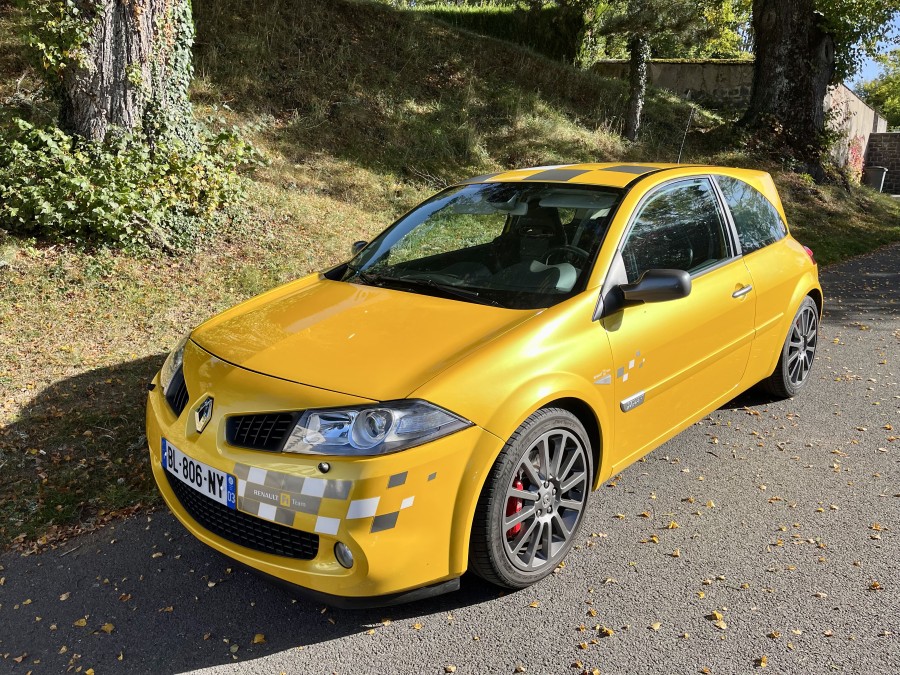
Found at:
[608, 174]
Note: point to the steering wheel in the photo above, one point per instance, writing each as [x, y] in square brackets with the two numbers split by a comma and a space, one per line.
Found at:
[580, 254]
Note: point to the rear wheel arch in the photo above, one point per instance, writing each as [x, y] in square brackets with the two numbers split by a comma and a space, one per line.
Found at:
[816, 296]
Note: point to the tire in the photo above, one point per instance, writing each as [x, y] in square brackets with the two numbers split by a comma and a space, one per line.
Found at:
[546, 507]
[797, 354]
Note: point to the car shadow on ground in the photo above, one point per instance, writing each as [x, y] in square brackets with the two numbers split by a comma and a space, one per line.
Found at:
[144, 594]
[139, 594]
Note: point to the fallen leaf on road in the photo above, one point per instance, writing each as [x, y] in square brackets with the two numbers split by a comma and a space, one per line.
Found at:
[656, 625]
[107, 628]
[534, 603]
[762, 661]
[81, 623]
[64, 596]
[259, 639]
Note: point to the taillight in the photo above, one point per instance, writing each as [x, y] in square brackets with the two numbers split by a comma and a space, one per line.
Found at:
[810, 254]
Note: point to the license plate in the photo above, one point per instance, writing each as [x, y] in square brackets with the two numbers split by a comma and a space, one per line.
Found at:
[215, 484]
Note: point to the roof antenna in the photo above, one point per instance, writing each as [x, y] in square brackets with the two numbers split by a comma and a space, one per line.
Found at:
[684, 137]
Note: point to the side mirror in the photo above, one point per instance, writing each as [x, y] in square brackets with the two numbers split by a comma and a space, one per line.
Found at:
[658, 286]
[357, 246]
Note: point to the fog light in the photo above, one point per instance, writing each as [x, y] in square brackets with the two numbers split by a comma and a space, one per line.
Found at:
[343, 555]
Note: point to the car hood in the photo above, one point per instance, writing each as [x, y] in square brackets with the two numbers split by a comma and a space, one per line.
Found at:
[370, 342]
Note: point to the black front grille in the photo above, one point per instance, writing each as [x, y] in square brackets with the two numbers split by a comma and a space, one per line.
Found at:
[177, 393]
[260, 432]
[243, 529]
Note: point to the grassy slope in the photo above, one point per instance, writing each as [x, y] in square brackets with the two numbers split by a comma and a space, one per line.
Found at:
[362, 111]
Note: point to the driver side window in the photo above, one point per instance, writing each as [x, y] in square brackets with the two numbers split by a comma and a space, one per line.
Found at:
[679, 227]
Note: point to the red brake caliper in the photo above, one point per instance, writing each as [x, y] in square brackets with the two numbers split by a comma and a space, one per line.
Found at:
[513, 506]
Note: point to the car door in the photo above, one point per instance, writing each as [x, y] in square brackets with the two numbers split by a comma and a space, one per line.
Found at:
[774, 260]
[675, 360]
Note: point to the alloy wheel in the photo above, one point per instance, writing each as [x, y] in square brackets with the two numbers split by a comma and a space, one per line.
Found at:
[802, 345]
[545, 499]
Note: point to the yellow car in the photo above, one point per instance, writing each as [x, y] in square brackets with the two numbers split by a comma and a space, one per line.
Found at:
[448, 398]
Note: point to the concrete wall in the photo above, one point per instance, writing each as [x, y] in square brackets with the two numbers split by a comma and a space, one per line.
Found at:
[856, 121]
[718, 84]
[884, 150]
[725, 84]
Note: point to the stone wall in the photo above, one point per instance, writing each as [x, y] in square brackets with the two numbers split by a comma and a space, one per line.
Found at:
[884, 150]
[726, 84]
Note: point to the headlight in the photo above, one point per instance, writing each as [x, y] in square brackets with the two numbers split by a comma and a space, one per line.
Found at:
[173, 362]
[371, 430]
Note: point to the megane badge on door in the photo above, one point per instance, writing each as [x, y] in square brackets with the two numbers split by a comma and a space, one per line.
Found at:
[203, 414]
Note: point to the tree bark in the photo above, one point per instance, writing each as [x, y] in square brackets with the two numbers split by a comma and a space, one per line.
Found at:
[639, 58]
[134, 73]
[793, 68]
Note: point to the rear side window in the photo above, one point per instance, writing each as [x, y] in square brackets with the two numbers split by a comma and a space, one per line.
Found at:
[757, 220]
[679, 227]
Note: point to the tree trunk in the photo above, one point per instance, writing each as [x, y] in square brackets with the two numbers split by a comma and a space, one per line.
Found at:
[639, 58]
[793, 68]
[135, 71]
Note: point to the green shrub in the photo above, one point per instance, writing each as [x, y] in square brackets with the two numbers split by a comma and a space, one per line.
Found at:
[124, 192]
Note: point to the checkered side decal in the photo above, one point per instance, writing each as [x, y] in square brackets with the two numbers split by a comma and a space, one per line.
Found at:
[285, 498]
[622, 372]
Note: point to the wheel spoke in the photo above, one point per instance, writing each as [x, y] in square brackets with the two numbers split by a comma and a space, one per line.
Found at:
[516, 493]
[573, 457]
[523, 537]
[570, 504]
[561, 527]
[557, 455]
[544, 448]
[533, 544]
[511, 521]
[547, 541]
[530, 470]
[571, 482]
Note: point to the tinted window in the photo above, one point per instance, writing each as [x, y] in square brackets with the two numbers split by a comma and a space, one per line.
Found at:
[680, 227]
[757, 220]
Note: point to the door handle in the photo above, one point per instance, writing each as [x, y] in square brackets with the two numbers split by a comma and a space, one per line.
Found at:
[741, 292]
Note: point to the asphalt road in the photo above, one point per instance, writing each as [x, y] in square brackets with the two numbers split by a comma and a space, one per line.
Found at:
[788, 516]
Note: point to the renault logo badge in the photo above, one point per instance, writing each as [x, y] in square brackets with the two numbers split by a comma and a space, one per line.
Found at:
[203, 414]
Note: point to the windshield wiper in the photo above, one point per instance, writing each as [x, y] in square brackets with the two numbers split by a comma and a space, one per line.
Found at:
[378, 279]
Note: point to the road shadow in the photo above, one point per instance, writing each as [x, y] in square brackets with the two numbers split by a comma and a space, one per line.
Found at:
[144, 596]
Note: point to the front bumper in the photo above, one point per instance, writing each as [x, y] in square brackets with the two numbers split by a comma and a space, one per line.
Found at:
[406, 517]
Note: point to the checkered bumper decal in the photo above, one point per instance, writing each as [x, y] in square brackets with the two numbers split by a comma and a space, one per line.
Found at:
[321, 504]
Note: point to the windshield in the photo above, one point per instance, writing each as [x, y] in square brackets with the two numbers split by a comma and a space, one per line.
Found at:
[516, 245]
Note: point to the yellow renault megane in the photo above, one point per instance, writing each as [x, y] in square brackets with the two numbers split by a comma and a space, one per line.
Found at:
[449, 398]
